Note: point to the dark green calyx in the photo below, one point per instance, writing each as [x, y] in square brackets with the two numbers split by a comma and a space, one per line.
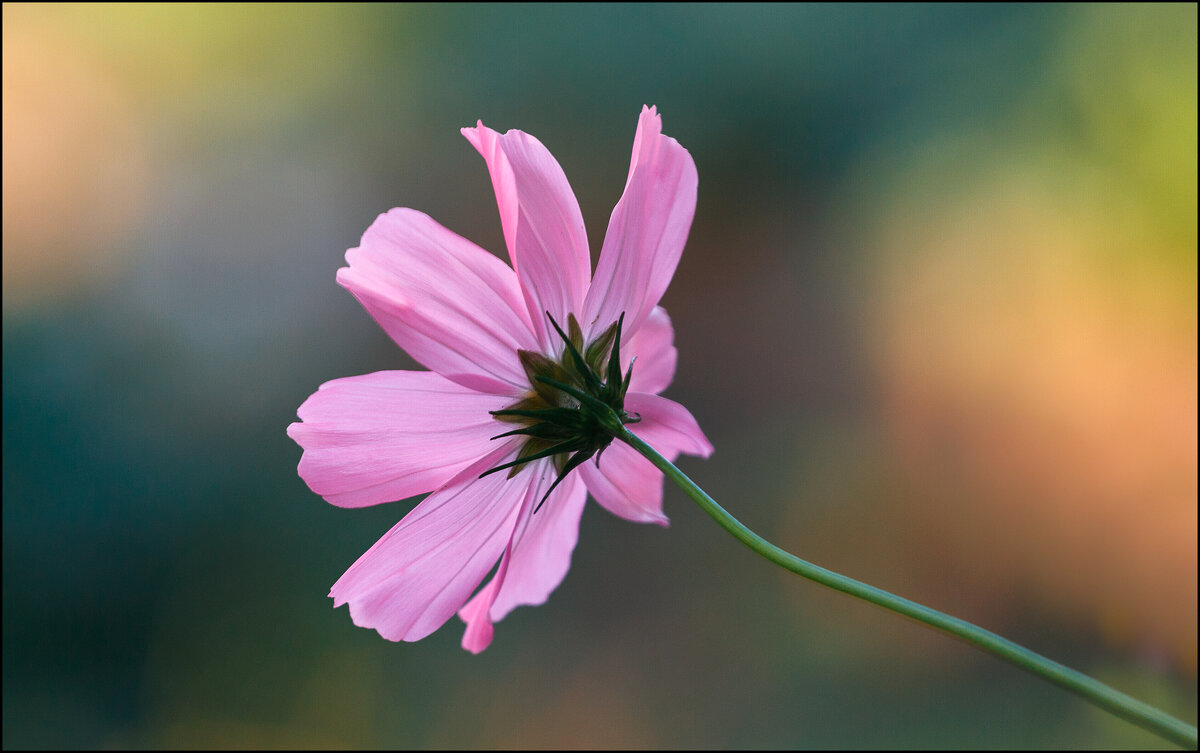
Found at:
[575, 406]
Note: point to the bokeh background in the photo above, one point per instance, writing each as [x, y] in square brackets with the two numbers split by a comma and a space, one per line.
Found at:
[937, 314]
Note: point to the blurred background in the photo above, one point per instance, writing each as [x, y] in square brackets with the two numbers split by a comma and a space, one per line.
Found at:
[937, 314]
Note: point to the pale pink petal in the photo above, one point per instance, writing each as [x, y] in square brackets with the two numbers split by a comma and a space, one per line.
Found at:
[626, 483]
[647, 230]
[537, 557]
[666, 423]
[390, 435]
[542, 224]
[451, 305]
[479, 632]
[542, 547]
[423, 571]
[654, 345]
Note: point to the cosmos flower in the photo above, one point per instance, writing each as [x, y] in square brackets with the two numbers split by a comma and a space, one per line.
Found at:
[528, 366]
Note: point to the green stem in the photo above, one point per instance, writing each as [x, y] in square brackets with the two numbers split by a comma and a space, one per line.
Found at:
[1107, 698]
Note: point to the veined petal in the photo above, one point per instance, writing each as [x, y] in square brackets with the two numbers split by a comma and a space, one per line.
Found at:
[542, 547]
[666, 423]
[626, 483]
[424, 569]
[451, 305]
[654, 346]
[647, 230]
[543, 226]
[479, 632]
[390, 435]
[537, 557]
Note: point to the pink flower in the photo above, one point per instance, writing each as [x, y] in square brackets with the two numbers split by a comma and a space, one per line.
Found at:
[507, 389]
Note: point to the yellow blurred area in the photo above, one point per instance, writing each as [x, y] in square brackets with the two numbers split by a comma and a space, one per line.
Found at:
[98, 98]
[76, 161]
[188, 60]
[1130, 76]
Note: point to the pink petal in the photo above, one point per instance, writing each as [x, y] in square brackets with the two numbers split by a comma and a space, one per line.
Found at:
[626, 483]
[543, 226]
[542, 548]
[451, 305]
[666, 423]
[422, 572]
[654, 345]
[536, 560]
[479, 632]
[646, 232]
[390, 435]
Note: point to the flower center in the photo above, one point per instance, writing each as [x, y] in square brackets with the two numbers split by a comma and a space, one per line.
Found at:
[572, 412]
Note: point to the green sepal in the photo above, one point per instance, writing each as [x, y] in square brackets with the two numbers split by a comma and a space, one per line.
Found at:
[569, 445]
[536, 364]
[539, 431]
[625, 381]
[559, 416]
[575, 332]
[599, 349]
[590, 381]
[531, 447]
[600, 408]
[614, 368]
[574, 462]
[515, 413]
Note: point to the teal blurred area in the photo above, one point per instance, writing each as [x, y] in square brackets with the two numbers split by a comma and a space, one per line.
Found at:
[937, 313]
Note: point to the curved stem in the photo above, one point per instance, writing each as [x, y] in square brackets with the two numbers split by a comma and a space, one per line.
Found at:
[1107, 698]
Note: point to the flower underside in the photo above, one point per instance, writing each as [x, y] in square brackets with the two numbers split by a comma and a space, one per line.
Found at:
[570, 413]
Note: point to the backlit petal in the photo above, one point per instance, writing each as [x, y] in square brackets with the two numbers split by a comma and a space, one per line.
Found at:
[451, 305]
[542, 548]
[542, 224]
[647, 230]
[423, 571]
[626, 484]
[390, 435]
[654, 346]
[666, 423]
[537, 558]
[479, 632]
